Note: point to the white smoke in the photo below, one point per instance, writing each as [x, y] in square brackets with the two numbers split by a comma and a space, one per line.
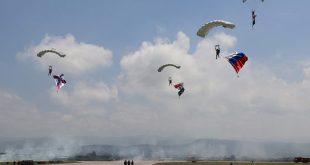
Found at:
[46, 149]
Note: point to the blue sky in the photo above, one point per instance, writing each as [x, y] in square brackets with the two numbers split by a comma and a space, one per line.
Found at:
[122, 26]
[125, 42]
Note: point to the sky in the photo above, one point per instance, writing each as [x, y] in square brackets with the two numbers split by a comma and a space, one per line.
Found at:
[113, 50]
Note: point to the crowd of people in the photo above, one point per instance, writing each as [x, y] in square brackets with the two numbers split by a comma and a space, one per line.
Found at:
[128, 162]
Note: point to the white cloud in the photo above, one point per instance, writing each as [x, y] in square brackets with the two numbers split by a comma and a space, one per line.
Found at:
[140, 67]
[215, 99]
[216, 103]
[84, 93]
[21, 119]
[80, 57]
[17, 116]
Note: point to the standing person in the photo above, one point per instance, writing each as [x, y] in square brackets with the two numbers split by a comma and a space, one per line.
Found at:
[132, 162]
[253, 18]
[217, 50]
[125, 162]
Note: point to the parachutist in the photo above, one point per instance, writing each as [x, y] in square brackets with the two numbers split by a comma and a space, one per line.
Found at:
[60, 82]
[50, 69]
[180, 87]
[217, 50]
[170, 81]
[253, 18]
[181, 91]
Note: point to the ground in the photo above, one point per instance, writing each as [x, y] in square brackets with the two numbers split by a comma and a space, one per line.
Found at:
[179, 163]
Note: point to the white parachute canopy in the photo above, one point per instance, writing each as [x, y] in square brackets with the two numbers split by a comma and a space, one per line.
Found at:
[204, 30]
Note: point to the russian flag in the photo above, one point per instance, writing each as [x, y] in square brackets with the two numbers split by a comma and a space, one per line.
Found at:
[237, 60]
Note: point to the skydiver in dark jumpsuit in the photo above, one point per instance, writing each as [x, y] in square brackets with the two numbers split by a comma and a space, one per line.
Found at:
[170, 80]
[253, 18]
[181, 91]
[217, 50]
[50, 69]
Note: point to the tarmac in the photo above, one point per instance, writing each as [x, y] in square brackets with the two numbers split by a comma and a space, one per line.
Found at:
[110, 163]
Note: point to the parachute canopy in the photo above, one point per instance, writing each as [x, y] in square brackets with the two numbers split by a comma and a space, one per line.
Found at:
[43, 52]
[246, 0]
[163, 66]
[204, 30]
[237, 60]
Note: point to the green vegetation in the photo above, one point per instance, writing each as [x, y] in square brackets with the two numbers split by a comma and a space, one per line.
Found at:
[94, 157]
